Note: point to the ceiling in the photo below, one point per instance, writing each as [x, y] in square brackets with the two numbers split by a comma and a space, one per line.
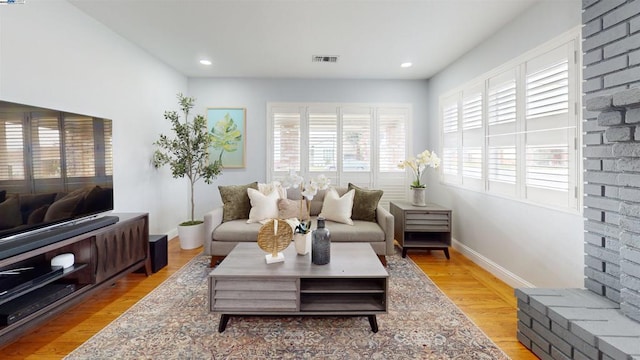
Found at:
[267, 38]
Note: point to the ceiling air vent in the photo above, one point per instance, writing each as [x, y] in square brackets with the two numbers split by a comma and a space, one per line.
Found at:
[324, 58]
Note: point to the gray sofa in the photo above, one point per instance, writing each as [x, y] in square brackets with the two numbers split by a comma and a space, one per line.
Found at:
[222, 237]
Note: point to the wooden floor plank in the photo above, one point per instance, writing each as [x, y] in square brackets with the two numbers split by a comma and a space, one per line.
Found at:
[487, 301]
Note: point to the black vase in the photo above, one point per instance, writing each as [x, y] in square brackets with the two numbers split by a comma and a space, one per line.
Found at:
[321, 244]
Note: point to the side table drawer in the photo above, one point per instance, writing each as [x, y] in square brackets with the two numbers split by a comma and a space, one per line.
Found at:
[253, 295]
[427, 221]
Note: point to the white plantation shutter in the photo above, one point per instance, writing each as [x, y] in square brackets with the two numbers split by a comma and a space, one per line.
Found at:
[286, 132]
[323, 141]
[516, 133]
[550, 129]
[501, 133]
[11, 148]
[472, 137]
[359, 144]
[392, 149]
[79, 147]
[45, 137]
[108, 147]
[356, 142]
[450, 112]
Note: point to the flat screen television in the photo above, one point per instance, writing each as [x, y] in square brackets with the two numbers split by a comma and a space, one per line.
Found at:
[56, 168]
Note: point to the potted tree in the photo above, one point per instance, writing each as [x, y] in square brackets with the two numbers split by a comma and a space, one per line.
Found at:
[187, 154]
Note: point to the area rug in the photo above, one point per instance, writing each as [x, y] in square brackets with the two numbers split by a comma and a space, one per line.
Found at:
[172, 322]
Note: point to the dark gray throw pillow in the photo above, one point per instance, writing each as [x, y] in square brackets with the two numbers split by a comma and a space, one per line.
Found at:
[235, 201]
[365, 203]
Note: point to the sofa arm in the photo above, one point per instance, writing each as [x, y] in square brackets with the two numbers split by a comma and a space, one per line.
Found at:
[385, 220]
[211, 221]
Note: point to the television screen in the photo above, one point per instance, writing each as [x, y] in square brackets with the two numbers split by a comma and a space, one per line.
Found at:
[55, 167]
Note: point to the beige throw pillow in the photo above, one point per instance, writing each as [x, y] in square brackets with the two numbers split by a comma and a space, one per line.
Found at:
[289, 209]
[336, 208]
[263, 207]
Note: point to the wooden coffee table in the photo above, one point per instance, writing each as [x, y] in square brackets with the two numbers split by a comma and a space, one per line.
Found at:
[354, 283]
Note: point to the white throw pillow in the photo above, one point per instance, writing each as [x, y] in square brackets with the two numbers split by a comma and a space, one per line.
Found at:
[263, 207]
[336, 208]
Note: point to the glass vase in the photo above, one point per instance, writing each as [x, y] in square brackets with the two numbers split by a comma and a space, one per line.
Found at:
[321, 244]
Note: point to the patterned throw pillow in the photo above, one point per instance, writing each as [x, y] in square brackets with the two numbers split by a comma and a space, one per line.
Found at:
[365, 203]
[235, 201]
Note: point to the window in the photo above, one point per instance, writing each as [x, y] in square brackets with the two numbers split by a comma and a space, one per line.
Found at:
[515, 131]
[359, 144]
[12, 144]
[65, 149]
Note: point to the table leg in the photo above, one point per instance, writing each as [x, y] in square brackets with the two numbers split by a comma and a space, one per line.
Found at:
[374, 323]
[446, 253]
[224, 319]
[404, 252]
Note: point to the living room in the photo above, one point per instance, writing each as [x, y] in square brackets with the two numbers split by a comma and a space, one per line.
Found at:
[45, 60]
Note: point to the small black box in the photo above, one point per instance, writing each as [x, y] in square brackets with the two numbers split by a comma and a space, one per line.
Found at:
[158, 251]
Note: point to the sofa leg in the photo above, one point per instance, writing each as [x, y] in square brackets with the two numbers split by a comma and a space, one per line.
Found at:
[383, 260]
[215, 260]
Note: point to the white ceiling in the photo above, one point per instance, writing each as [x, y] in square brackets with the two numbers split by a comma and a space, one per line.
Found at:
[267, 38]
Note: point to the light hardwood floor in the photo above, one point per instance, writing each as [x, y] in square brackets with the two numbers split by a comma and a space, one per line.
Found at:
[485, 299]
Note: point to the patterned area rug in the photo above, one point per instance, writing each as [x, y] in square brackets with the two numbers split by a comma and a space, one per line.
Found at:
[172, 322]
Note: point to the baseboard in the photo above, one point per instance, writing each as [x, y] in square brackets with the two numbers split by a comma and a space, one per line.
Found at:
[496, 270]
[172, 234]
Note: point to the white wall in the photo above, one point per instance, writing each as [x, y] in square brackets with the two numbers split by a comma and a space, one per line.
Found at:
[253, 94]
[53, 55]
[521, 243]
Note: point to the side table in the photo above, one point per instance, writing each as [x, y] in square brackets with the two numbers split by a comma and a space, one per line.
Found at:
[421, 227]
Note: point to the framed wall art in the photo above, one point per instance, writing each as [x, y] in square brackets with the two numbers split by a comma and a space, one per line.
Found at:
[228, 128]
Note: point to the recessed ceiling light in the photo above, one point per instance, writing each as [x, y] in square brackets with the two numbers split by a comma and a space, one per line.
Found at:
[205, 62]
[406, 65]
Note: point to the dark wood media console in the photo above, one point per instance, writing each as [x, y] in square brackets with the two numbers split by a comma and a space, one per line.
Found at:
[102, 256]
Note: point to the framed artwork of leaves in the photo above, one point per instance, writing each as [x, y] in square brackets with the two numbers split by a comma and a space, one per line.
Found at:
[227, 127]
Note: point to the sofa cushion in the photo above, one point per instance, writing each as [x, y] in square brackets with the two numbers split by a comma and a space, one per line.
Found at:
[318, 199]
[263, 207]
[288, 209]
[338, 208]
[365, 203]
[64, 208]
[37, 215]
[235, 200]
[10, 213]
[236, 231]
[362, 231]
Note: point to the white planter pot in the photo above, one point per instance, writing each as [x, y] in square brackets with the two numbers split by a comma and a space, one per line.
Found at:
[302, 242]
[418, 197]
[191, 236]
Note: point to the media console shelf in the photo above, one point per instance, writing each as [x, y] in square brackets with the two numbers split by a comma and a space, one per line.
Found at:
[101, 255]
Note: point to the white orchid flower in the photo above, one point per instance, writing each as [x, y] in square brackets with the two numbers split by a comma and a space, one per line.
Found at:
[419, 164]
[323, 182]
[310, 190]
